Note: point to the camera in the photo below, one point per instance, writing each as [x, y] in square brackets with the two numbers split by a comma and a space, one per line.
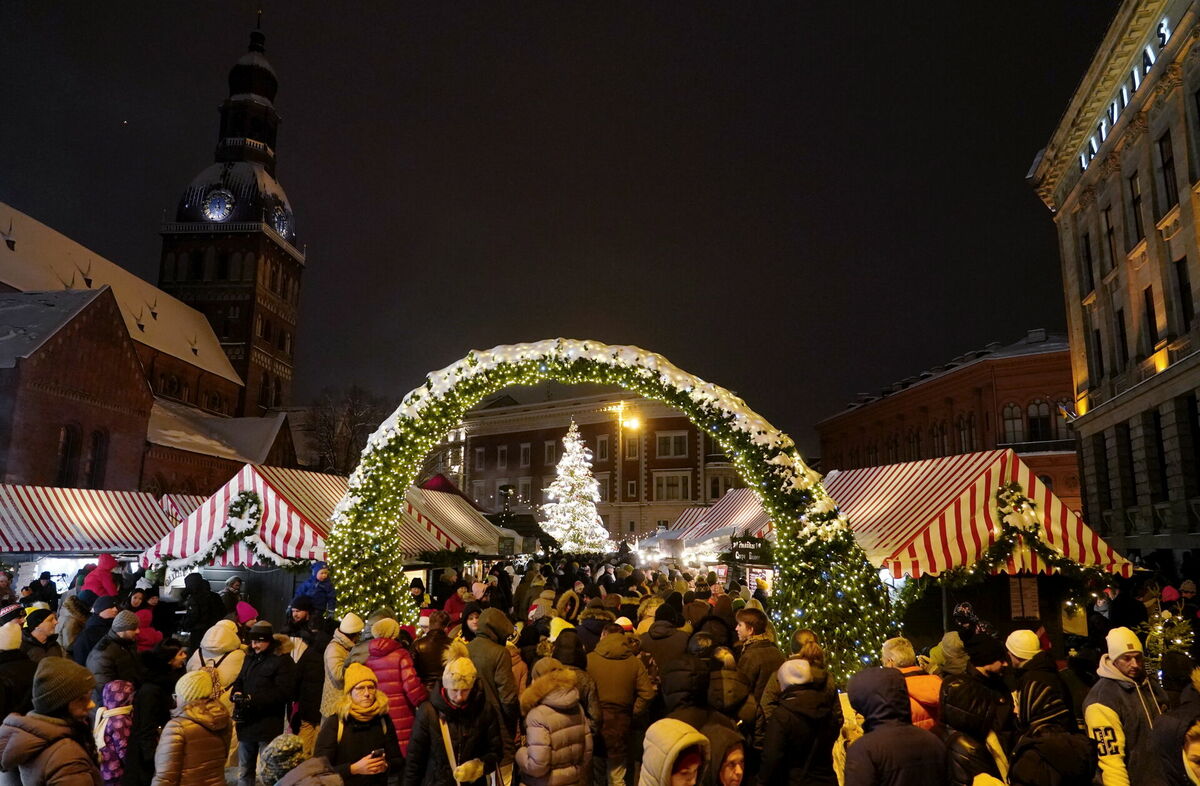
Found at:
[241, 706]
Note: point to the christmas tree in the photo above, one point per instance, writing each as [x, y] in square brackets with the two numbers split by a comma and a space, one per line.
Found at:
[571, 517]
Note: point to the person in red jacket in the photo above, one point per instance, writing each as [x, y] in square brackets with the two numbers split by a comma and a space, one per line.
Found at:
[101, 580]
[398, 680]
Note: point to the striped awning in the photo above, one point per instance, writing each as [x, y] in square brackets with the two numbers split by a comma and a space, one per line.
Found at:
[455, 517]
[738, 511]
[924, 517]
[41, 519]
[688, 517]
[180, 506]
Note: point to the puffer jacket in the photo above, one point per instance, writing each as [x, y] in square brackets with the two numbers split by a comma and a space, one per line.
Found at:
[334, 660]
[729, 693]
[799, 741]
[969, 712]
[193, 746]
[36, 650]
[1120, 715]
[494, 664]
[93, 631]
[38, 750]
[323, 593]
[312, 772]
[72, 616]
[1171, 727]
[924, 696]
[114, 658]
[624, 688]
[683, 682]
[892, 752]
[664, 642]
[100, 580]
[558, 744]
[759, 659]
[665, 740]
[474, 734]
[220, 649]
[427, 657]
[591, 625]
[393, 667]
[568, 650]
[1038, 680]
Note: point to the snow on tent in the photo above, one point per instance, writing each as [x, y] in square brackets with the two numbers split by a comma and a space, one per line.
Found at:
[43, 520]
[296, 509]
[924, 517]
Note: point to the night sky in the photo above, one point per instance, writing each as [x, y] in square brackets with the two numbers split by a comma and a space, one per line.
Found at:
[798, 201]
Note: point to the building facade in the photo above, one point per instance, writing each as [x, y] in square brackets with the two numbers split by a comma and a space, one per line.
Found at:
[996, 397]
[649, 460]
[1121, 175]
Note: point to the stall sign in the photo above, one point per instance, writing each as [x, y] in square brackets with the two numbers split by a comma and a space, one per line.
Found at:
[506, 547]
[750, 551]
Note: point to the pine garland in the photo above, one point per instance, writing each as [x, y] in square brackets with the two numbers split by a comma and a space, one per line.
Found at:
[1165, 633]
[241, 524]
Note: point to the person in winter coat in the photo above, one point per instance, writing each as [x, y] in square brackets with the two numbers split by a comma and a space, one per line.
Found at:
[111, 729]
[568, 650]
[220, 649]
[429, 649]
[924, 690]
[456, 603]
[493, 664]
[591, 623]
[625, 691]
[1036, 672]
[104, 610]
[664, 640]
[52, 745]
[284, 762]
[673, 754]
[798, 748]
[727, 751]
[558, 743]
[398, 680]
[1120, 711]
[969, 711]
[115, 656]
[360, 727]
[336, 652]
[202, 608]
[570, 602]
[260, 695]
[101, 580]
[16, 672]
[231, 594]
[759, 657]
[892, 751]
[1046, 753]
[39, 639]
[147, 638]
[1172, 727]
[475, 748]
[7, 595]
[320, 588]
[948, 656]
[72, 616]
[308, 643]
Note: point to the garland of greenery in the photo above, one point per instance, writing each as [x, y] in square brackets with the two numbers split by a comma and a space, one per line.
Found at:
[826, 583]
[1019, 525]
[241, 524]
[1164, 633]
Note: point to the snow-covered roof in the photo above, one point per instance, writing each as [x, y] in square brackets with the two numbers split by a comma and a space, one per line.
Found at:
[245, 440]
[29, 319]
[36, 258]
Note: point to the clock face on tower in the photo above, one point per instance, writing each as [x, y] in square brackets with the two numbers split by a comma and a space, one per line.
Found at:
[218, 205]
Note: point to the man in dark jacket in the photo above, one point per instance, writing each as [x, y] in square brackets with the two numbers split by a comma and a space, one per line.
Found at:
[1037, 673]
[43, 590]
[115, 656]
[664, 641]
[201, 608]
[429, 649]
[800, 735]
[231, 595]
[260, 694]
[40, 640]
[759, 657]
[16, 672]
[1120, 711]
[592, 620]
[493, 664]
[308, 653]
[104, 609]
[892, 752]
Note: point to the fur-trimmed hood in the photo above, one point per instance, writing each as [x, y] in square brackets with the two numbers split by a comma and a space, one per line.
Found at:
[558, 689]
[597, 614]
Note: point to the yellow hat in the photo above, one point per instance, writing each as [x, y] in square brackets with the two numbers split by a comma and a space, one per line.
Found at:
[557, 626]
[357, 673]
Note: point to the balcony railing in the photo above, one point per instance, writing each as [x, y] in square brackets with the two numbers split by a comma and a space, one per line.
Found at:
[206, 227]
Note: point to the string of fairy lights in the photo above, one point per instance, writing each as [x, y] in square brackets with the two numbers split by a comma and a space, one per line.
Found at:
[824, 580]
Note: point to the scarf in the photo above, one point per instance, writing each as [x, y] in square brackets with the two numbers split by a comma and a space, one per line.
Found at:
[103, 715]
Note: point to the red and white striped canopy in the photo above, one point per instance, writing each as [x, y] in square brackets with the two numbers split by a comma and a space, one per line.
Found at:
[180, 506]
[924, 517]
[738, 511]
[688, 517]
[455, 518]
[78, 521]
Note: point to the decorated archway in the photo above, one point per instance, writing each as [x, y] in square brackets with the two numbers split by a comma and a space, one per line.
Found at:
[825, 581]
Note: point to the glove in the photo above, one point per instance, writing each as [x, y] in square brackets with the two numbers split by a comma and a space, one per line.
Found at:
[469, 771]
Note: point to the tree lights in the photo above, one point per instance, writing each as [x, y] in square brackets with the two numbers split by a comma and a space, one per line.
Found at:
[826, 583]
[572, 518]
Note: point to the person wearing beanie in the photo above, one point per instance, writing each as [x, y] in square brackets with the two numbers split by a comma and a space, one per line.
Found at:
[625, 624]
[978, 711]
[924, 690]
[494, 665]
[1039, 688]
[101, 580]
[115, 656]
[13, 612]
[455, 604]
[44, 590]
[284, 763]
[557, 626]
[53, 743]
[625, 690]
[232, 595]
[674, 754]
[16, 672]
[104, 611]
[798, 746]
[1120, 711]
[39, 639]
[195, 741]
[360, 727]
[334, 661]
[319, 589]
[261, 694]
[429, 648]
[476, 747]
[558, 743]
[308, 641]
[221, 650]
[397, 678]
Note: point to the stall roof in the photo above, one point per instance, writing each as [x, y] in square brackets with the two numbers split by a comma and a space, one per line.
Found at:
[924, 517]
[739, 510]
[456, 516]
[41, 519]
[180, 506]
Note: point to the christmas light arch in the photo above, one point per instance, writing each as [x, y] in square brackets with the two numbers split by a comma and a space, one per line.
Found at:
[825, 581]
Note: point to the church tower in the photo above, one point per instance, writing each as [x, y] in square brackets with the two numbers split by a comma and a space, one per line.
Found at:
[231, 251]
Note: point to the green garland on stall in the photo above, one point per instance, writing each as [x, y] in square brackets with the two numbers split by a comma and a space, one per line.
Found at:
[241, 523]
[1019, 524]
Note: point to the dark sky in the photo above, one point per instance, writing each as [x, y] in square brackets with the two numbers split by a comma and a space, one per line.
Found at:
[796, 200]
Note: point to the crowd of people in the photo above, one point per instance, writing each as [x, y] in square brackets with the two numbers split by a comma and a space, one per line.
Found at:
[568, 672]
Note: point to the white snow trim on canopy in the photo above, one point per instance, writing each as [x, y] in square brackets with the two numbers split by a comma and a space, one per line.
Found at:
[796, 474]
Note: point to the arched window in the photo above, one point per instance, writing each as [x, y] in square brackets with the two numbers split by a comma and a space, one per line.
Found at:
[69, 439]
[1040, 424]
[1014, 424]
[97, 460]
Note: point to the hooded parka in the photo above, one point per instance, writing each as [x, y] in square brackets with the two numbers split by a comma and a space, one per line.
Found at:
[193, 746]
[665, 740]
[474, 734]
[892, 752]
[558, 744]
[798, 748]
[398, 680]
[39, 750]
[624, 688]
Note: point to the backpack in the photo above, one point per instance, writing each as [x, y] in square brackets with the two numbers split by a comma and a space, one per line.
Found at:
[1053, 757]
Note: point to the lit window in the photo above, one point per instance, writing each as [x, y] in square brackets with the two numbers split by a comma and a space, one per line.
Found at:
[669, 486]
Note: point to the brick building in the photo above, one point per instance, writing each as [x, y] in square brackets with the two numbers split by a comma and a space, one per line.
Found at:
[1121, 174]
[649, 460]
[996, 397]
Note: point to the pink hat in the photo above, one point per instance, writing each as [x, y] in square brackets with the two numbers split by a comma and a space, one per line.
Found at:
[246, 612]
